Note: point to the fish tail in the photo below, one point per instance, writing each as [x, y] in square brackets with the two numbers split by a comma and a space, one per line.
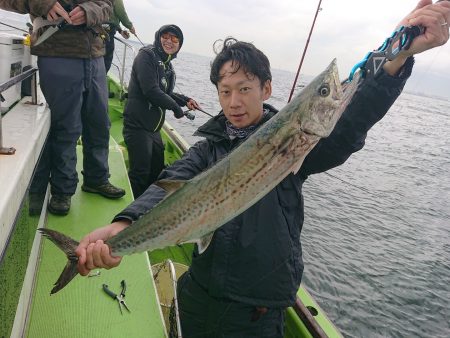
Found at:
[68, 246]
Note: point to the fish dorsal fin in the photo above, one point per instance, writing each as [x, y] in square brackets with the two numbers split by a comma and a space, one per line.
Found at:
[170, 186]
[204, 242]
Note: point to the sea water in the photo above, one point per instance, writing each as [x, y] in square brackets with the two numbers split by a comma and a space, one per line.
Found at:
[376, 237]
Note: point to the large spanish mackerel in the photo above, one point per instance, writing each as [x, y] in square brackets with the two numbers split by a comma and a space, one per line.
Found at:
[193, 209]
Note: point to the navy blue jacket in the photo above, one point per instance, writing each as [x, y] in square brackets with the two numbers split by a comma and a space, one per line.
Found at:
[150, 92]
[256, 258]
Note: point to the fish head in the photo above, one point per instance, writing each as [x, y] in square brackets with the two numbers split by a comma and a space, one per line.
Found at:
[321, 103]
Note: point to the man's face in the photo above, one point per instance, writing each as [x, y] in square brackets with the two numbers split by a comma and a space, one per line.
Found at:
[170, 43]
[241, 96]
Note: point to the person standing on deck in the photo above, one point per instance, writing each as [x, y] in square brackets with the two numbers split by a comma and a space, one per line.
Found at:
[73, 81]
[150, 93]
[118, 16]
[242, 283]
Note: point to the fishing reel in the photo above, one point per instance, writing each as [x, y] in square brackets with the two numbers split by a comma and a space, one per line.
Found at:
[189, 115]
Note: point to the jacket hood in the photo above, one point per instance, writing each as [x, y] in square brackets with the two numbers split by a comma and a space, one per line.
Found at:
[174, 29]
[214, 128]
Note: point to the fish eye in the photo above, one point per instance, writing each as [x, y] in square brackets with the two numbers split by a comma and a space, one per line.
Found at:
[324, 90]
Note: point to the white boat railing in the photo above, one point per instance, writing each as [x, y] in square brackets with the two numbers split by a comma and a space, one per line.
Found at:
[122, 69]
[6, 85]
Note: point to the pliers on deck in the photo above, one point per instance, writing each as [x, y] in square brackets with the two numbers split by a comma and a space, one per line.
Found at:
[120, 297]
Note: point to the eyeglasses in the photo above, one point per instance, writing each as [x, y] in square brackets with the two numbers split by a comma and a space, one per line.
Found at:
[168, 36]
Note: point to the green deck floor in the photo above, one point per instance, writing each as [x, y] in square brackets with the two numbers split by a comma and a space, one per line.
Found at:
[82, 309]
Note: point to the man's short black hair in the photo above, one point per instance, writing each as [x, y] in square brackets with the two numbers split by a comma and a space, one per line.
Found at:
[242, 54]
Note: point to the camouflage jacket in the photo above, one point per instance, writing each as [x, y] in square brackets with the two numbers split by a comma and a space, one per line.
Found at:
[85, 41]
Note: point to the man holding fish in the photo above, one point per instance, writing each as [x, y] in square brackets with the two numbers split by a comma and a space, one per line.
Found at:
[240, 282]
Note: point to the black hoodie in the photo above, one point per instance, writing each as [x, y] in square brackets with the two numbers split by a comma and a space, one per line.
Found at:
[150, 90]
[157, 43]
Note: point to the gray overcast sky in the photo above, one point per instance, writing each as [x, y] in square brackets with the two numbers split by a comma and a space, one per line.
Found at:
[345, 29]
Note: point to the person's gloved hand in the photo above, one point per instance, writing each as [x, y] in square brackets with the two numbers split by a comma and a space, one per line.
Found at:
[192, 104]
[125, 34]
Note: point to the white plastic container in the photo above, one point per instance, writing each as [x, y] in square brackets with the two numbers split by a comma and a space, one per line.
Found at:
[11, 64]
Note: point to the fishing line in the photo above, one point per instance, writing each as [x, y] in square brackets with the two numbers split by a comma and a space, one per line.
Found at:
[399, 110]
[19, 29]
[419, 82]
[414, 89]
[139, 40]
[181, 92]
[367, 191]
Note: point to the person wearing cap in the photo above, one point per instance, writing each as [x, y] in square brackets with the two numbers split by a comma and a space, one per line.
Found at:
[150, 94]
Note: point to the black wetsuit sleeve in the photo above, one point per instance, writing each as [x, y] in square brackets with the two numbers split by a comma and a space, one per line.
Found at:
[180, 98]
[146, 70]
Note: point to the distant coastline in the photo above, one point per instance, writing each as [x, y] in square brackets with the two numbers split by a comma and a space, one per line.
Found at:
[429, 95]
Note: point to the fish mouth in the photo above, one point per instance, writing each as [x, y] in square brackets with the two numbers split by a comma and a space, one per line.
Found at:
[310, 134]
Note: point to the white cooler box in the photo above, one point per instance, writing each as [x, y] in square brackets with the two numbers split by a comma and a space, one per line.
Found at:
[11, 63]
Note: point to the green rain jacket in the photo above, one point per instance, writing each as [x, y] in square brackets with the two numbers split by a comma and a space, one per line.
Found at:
[119, 15]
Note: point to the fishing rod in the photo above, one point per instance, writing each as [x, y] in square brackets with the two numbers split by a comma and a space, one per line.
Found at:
[304, 50]
[187, 113]
[205, 112]
[191, 116]
[139, 39]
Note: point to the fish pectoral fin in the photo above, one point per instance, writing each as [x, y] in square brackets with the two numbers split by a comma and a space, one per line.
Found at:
[170, 186]
[204, 242]
[296, 167]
